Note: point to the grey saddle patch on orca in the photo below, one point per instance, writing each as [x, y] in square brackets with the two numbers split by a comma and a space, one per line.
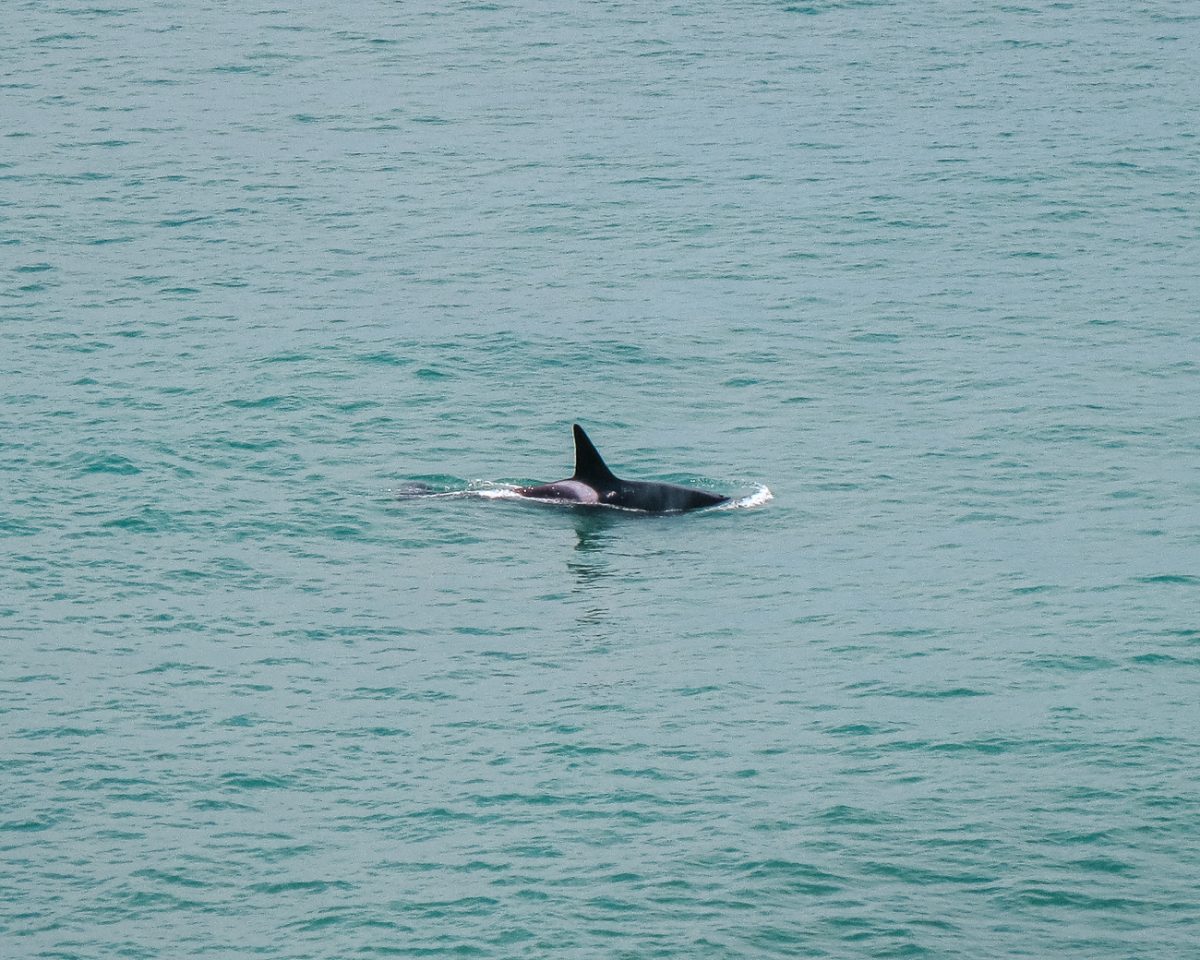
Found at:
[594, 484]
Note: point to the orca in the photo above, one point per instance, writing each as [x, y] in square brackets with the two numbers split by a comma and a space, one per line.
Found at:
[593, 484]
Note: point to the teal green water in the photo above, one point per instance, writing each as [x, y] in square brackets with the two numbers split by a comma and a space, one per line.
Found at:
[927, 272]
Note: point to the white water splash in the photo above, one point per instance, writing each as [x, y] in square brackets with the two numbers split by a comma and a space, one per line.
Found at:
[758, 498]
[496, 493]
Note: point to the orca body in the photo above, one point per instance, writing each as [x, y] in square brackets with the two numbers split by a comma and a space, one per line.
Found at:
[593, 484]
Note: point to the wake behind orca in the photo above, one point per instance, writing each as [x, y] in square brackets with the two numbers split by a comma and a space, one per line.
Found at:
[593, 484]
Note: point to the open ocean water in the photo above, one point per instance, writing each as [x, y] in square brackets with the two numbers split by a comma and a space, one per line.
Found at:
[930, 273]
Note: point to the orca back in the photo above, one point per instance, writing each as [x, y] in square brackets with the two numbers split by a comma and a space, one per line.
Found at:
[662, 497]
[593, 483]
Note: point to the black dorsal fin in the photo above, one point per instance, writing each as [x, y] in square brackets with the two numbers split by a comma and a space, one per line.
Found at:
[589, 467]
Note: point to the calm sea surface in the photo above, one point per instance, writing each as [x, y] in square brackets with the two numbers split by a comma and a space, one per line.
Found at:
[928, 272]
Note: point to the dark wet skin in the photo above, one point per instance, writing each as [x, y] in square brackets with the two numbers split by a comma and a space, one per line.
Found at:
[593, 484]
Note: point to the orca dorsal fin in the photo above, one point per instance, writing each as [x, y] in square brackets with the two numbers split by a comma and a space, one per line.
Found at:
[589, 466]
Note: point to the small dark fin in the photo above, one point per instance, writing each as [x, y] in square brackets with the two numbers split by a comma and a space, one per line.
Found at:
[589, 467]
